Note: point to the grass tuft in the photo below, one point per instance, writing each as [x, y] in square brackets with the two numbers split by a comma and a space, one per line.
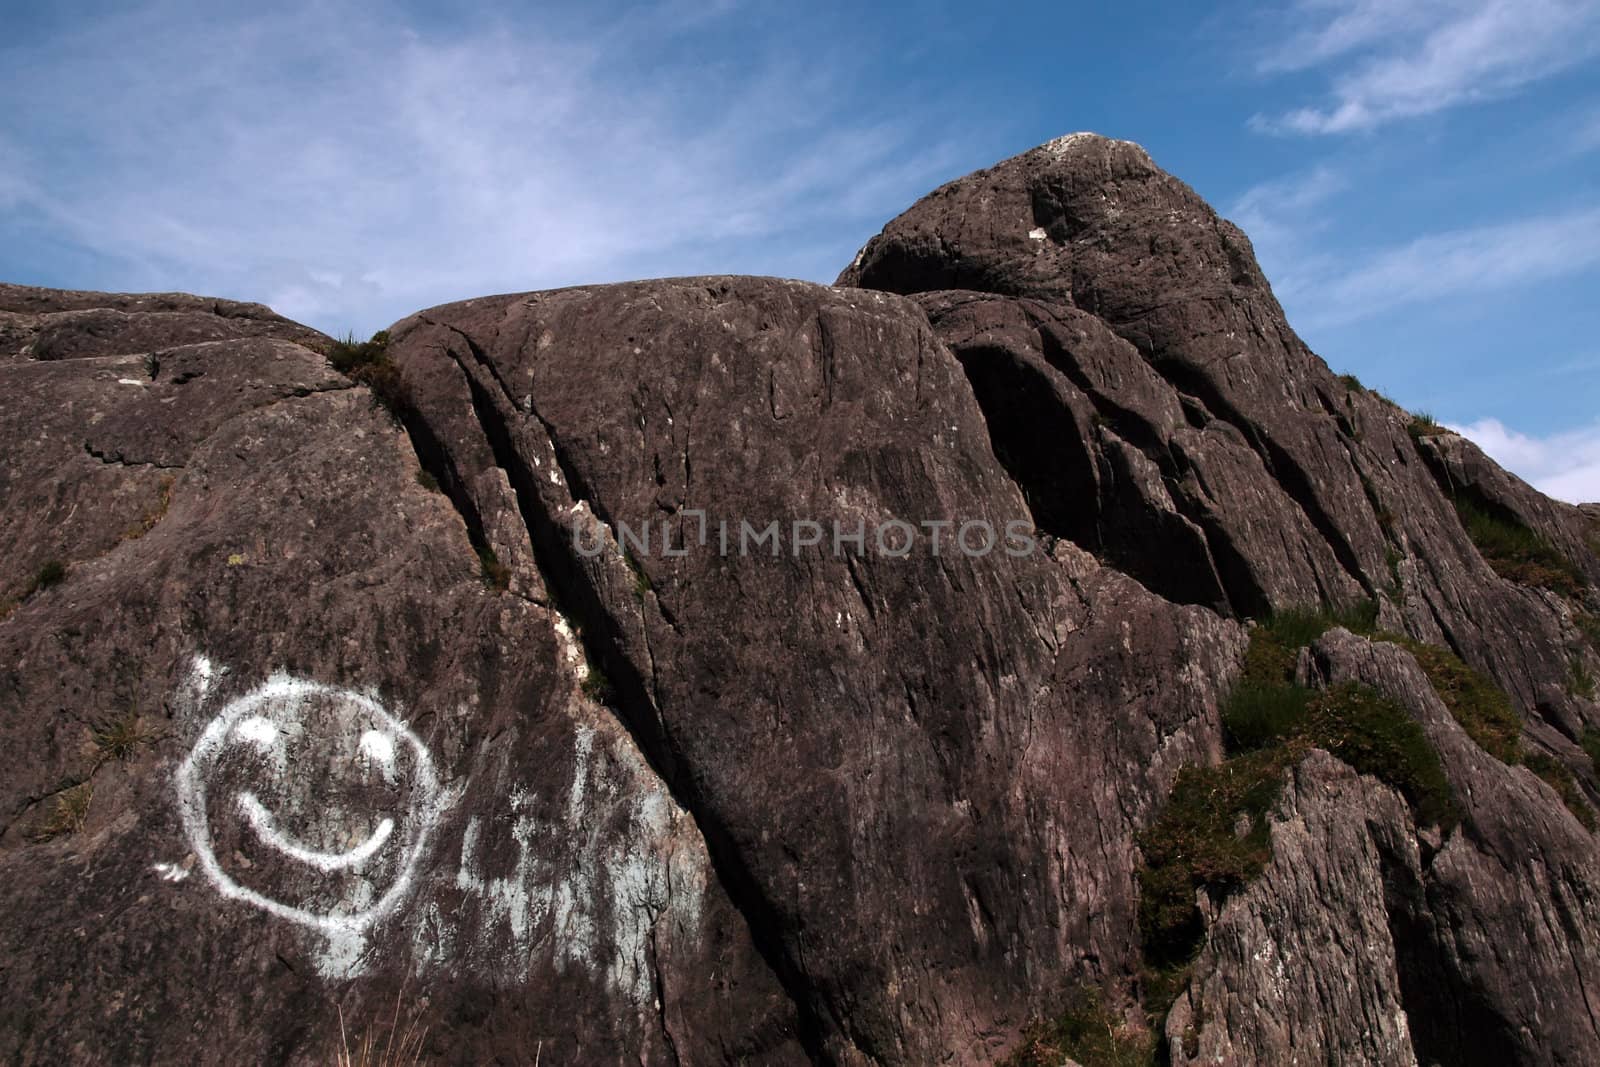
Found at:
[1086, 1031]
[1256, 715]
[641, 580]
[1212, 834]
[1516, 552]
[69, 811]
[52, 574]
[1589, 626]
[119, 738]
[495, 575]
[597, 687]
[152, 514]
[1590, 741]
[1376, 736]
[386, 1043]
[1580, 679]
[1196, 844]
[1424, 425]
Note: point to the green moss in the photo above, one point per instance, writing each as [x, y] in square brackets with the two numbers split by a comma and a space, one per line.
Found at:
[1086, 1031]
[1561, 779]
[1516, 552]
[1591, 744]
[1580, 680]
[1477, 703]
[1352, 383]
[1376, 736]
[1193, 845]
[428, 481]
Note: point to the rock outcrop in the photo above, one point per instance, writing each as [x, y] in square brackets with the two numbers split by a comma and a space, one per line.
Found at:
[733, 670]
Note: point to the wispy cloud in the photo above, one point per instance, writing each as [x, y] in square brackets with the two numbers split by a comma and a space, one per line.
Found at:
[348, 166]
[1397, 59]
[1563, 465]
[1460, 262]
[1325, 285]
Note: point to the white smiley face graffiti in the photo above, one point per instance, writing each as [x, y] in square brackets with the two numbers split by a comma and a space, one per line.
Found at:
[311, 803]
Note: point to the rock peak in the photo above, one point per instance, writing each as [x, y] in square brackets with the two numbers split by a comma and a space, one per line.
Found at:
[1073, 143]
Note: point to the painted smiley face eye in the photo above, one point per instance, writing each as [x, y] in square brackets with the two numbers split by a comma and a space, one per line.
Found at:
[377, 747]
[258, 730]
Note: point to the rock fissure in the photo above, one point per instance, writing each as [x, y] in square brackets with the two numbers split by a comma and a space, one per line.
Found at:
[601, 635]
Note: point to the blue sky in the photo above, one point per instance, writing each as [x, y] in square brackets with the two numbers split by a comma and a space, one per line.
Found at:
[1421, 179]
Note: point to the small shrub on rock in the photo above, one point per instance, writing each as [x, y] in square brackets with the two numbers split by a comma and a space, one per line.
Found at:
[367, 363]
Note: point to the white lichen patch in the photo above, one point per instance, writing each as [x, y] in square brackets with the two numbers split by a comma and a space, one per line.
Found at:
[1061, 147]
[1037, 234]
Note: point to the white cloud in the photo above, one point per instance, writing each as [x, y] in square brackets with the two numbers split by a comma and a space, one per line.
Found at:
[1460, 262]
[1398, 59]
[1324, 288]
[349, 167]
[1563, 465]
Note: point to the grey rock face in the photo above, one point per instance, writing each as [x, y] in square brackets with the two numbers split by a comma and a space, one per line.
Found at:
[1297, 488]
[1302, 967]
[894, 761]
[316, 713]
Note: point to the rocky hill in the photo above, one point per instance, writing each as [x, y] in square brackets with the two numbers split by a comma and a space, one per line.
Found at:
[1024, 649]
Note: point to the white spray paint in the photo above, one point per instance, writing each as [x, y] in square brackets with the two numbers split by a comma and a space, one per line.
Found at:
[588, 889]
[266, 828]
[259, 722]
[171, 872]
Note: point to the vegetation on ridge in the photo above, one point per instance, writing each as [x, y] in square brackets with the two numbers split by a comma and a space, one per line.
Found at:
[1425, 425]
[367, 363]
[1515, 551]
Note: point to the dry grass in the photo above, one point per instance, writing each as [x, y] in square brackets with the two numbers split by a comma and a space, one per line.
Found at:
[391, 1042]
[69, 812]
[1088, 1032]
[119, 738]
[152, 514]
[1425, 425]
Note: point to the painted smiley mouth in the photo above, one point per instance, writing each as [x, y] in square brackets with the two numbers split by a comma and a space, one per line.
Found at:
[266, 828]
